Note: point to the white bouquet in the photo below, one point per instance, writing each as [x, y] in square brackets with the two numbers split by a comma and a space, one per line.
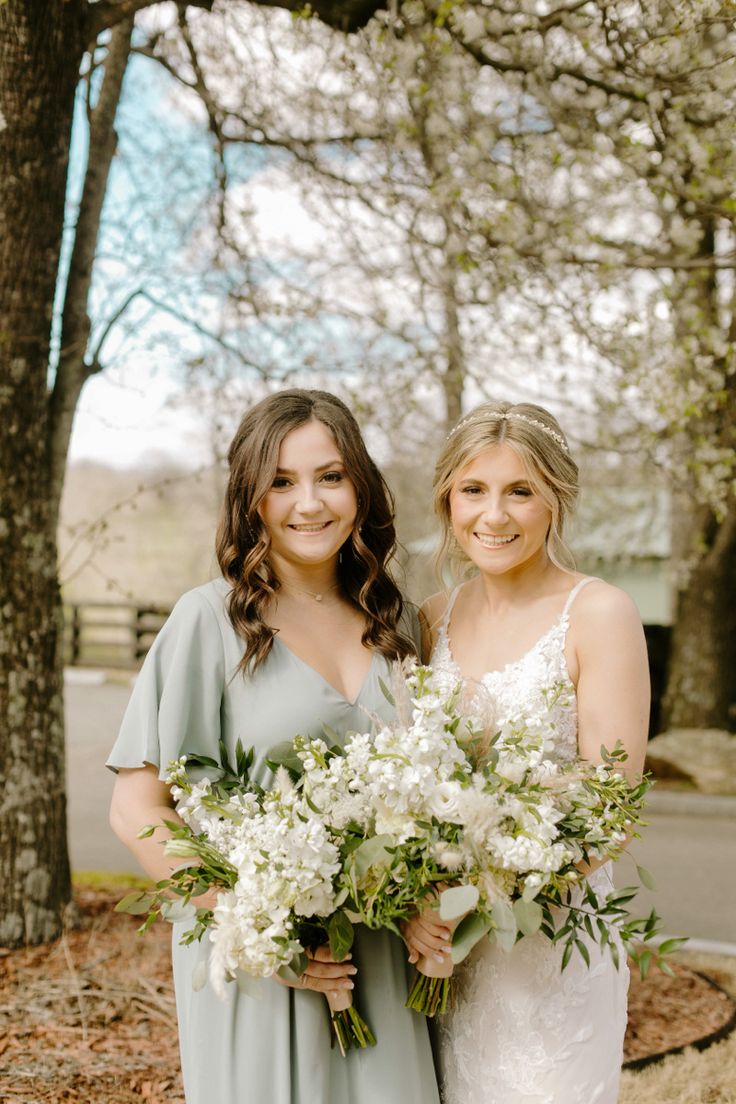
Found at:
[276, 866]
[442, 806]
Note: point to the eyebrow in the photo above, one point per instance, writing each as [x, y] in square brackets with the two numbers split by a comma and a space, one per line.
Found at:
[512, 483]
[321, 468]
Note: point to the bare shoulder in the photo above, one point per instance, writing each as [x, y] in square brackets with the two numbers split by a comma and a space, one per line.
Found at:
[601, 607]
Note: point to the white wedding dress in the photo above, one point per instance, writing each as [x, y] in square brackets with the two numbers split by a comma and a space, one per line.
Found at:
[520, 1030]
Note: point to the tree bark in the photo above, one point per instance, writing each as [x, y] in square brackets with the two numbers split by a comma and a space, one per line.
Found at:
[701, 684]
[701, 681]
[42, 44]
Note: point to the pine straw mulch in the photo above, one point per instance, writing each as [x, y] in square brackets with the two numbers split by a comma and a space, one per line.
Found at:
[92, 1017]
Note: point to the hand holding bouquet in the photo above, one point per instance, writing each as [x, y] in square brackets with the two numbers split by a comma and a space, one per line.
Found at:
[275, 865]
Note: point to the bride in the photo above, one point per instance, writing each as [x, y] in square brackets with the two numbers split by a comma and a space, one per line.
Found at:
[537, 635]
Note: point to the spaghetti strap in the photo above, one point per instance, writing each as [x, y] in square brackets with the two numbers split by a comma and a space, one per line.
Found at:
[574, 592]
[444, 623]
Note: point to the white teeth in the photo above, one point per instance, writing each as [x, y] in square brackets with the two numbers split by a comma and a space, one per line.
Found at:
[310, 528]
[494, 542]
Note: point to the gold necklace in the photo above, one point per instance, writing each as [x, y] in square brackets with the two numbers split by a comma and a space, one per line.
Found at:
[317, 595]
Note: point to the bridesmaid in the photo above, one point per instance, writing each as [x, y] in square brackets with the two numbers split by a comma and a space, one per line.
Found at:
[298, 633]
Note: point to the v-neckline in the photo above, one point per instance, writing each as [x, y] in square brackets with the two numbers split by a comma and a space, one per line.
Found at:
[507, 666]
[326, 681]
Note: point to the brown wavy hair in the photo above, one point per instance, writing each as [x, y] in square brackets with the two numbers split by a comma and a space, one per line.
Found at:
[243, 542]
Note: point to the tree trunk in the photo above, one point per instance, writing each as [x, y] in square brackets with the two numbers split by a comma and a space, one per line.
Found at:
[42, 45]
[701, 682]
[701, 685]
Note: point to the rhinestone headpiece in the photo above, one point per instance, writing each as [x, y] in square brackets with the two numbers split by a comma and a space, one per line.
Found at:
[506, 416]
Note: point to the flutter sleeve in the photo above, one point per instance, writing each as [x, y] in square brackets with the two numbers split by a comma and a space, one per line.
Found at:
[175, 706]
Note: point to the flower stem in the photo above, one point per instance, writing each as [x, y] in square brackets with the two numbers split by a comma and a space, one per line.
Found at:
[429, 994]
[351, 1030]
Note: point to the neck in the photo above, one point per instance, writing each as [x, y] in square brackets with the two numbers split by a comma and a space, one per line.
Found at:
[519, 585]
[310, 579]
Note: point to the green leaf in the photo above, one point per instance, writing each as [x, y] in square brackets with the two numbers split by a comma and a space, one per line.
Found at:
[387, 693]
[372, 852]
[566, 954]
[645, 877]
[283, 755]
[614, 954]
[457, 901]
[135, 903]
[583, 950]
[340, 933]
[504, 923]
[528, 916]
[644, 962]
[669, 945]
[470, 929]
[147, 831]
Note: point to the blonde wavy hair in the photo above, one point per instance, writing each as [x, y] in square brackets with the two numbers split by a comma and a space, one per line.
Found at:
[535, 435]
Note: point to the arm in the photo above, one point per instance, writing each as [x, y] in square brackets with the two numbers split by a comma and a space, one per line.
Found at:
[613, 688]
[139, 797]
[613, 681]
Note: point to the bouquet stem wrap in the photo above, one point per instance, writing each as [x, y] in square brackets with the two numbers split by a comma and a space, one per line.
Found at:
[350, 1028]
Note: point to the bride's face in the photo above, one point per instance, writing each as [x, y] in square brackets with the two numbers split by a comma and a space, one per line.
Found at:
[311, 506]
[499, 521]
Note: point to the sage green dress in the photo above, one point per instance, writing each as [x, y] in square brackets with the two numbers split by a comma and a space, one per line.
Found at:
[274, 1047]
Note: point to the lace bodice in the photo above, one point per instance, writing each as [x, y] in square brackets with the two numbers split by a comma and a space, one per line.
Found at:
[536, 684]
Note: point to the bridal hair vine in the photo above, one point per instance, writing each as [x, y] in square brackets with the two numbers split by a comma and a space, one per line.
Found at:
[506, 416]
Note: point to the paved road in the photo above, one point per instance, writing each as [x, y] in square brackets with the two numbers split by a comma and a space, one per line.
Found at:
[690, 851]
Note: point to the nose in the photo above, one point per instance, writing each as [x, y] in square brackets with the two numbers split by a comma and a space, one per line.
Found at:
[494, 510]
[309, 501]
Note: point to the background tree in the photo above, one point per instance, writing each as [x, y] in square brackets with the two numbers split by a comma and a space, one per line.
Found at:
[42, 47]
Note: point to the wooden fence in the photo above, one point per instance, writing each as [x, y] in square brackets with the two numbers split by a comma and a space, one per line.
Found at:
[109, 634]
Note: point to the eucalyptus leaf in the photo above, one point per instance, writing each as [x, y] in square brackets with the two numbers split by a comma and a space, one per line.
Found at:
[469, 931]
[371, 853]
[505, 926]
[528, 916]
[457, 901]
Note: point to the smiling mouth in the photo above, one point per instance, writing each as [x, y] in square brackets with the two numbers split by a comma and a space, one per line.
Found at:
[313, 528]
[494, 542]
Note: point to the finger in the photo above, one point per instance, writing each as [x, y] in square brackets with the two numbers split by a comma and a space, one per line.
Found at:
[330, 969]
[433, 925]
[324, 954]
[427, 950]
[324, 983]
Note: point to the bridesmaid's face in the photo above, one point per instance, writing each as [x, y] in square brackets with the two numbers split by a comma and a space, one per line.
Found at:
[312, 504]
[498, 519]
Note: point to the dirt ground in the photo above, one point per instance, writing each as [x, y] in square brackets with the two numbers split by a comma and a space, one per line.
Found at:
[92, 1016]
